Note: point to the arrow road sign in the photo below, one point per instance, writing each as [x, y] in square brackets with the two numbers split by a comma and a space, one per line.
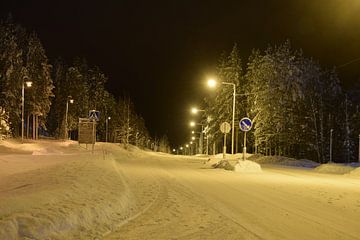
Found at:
[94, 115]
[245, 124]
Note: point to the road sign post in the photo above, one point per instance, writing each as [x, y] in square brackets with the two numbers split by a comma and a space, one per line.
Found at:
[225, 128]
[87, 132]
[245, 125]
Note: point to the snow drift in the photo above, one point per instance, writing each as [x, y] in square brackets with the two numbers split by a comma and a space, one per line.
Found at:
[77, 196]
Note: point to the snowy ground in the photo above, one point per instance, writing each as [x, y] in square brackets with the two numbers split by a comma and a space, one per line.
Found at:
[56, 190]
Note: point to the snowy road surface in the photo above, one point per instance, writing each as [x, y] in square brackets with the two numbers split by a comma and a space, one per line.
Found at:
[184, 201]
[71, 194]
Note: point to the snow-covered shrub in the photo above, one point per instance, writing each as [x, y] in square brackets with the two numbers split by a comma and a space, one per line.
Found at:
[4, 124]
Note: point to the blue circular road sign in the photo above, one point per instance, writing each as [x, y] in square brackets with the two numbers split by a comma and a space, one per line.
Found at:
[245, 124]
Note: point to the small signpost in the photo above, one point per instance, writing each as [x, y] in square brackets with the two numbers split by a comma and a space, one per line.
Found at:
[225, 128]
[87, 128]
[245, 125]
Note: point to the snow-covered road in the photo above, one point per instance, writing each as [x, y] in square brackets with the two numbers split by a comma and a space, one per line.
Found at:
[183, 200]
[56, 190]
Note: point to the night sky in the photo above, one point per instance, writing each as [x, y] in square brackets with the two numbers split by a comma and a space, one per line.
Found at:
[161, 52]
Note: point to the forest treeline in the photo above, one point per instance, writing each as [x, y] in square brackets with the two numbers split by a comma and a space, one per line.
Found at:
[295, 104]
[23, 58]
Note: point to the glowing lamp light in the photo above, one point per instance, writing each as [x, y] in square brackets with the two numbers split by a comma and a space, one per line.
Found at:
[194, 110]
[28, 83]
[211, 83]
[192, 138]
[192, 124]
[71, 101]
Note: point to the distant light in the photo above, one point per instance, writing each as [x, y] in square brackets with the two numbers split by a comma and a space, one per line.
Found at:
[181, 148]
[192, 124]
[174, 150]
[191, 142]
[109, 118]
[211, 83]
[192, 138]
[194, 110]
[192, 132]
[71, 100]
[28, 83]
[187, 145]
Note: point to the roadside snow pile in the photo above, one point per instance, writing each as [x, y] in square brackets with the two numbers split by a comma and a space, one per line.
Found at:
[247, 167]
[211, 162]
[283, 161]
[355, 172]
[236, 165]
[334, 168]
[80, 197]
[225, 164]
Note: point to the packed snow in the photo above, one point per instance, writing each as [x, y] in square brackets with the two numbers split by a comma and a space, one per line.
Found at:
[60, 190]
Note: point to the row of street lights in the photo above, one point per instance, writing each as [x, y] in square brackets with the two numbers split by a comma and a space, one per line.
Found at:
[212, 84]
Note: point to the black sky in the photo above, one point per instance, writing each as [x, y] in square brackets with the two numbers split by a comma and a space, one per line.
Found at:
[160, 52]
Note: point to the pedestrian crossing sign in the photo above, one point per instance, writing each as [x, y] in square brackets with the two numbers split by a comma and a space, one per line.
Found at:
[94, 115]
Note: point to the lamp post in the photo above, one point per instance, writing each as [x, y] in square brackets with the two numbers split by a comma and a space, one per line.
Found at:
[69, 99]
[106, 128]
[212, 84]
[28, 84]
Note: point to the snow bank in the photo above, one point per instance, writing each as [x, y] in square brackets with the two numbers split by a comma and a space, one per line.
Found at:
[236, 165]
[355, 172]
[247, 167]
[283, 161]
[334, 168]
[80, 197]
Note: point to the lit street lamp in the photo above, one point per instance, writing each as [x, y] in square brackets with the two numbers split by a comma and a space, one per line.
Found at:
[212, 83]
[106, 128]
[28, 84]
[69, 99]
[194, 110]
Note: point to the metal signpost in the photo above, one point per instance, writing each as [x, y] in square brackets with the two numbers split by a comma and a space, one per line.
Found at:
[87, 129]
[245, 125]
[225, 128]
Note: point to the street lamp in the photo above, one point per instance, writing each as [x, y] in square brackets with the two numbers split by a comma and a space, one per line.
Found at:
[106, 128]
[212, 83]
[28, 84]
[69, 99]
[195, 110]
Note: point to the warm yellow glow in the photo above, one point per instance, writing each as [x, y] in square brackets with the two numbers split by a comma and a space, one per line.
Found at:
[192, 124]
[109, 118]
[194, 110]
[191, 142]
[192, 132]
[187, 145]
[192, 138]
[181, 148]
[71, 100]
[211, 83]
[174, 150]
[28, 83]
